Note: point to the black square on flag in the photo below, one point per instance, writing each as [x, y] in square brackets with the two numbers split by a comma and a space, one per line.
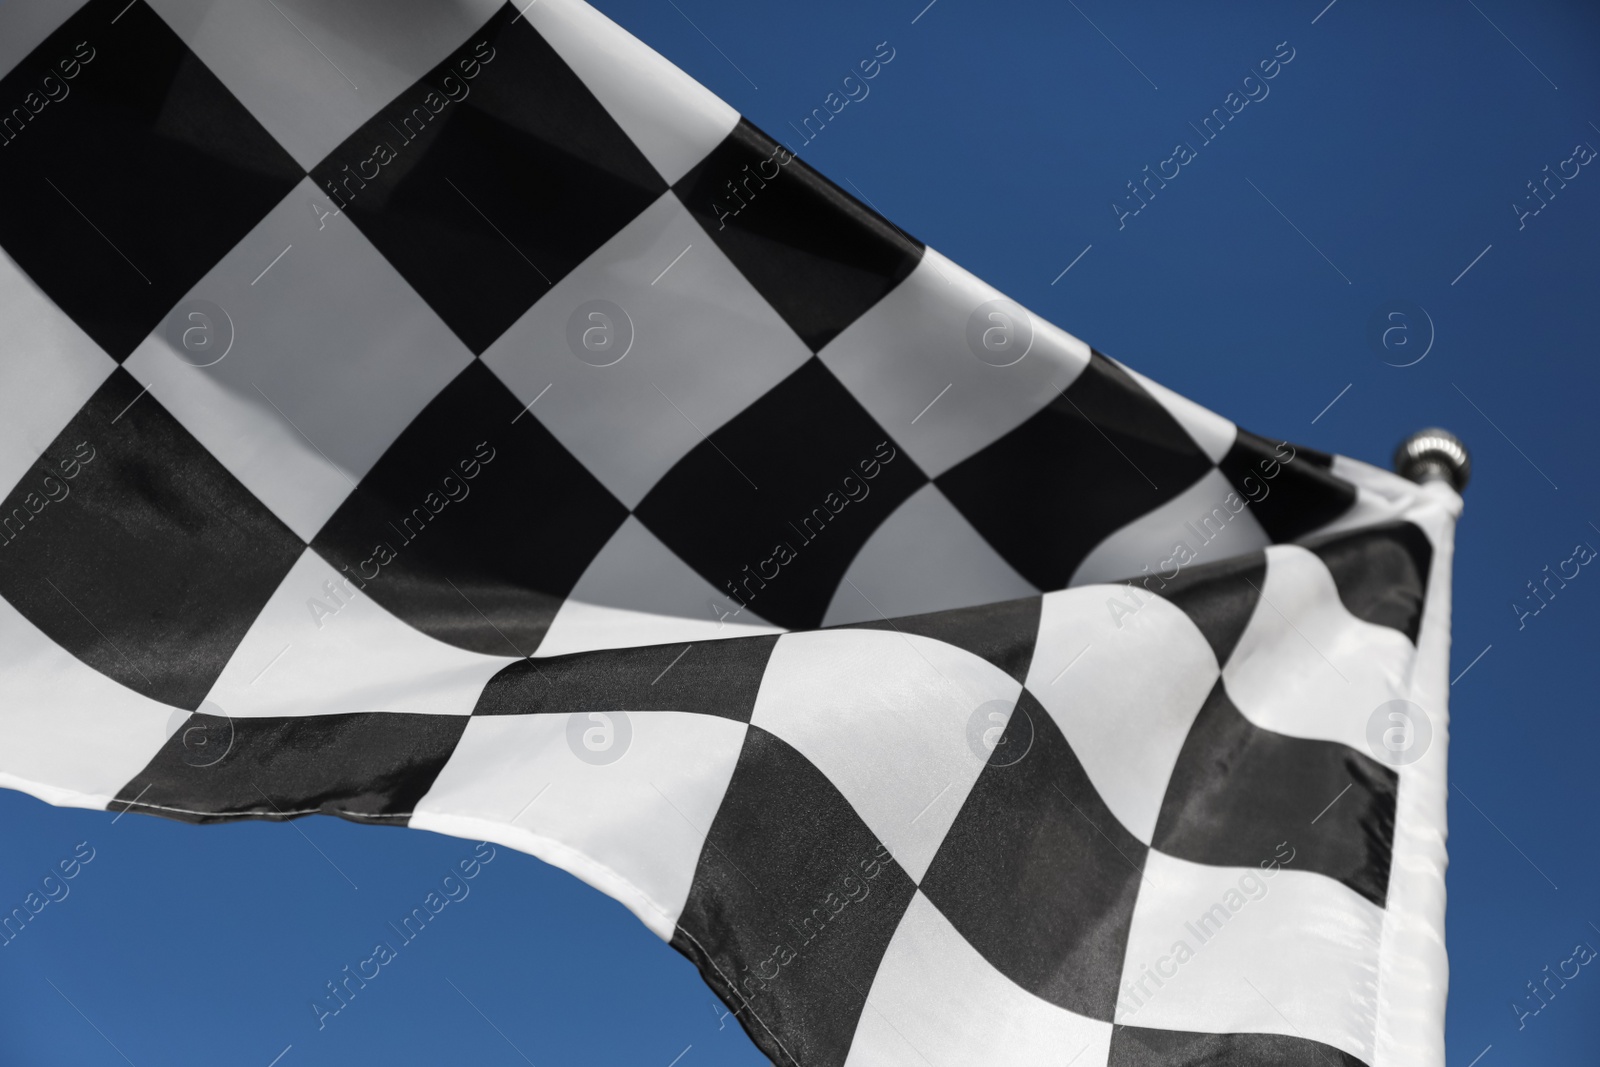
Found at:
[490, 179]
[776, 503]
[1036, 872]
[1097, 457]
[129, 170]
[817, 896]
[375, 764]
[475, 524]
[817, 254]
[150, 561]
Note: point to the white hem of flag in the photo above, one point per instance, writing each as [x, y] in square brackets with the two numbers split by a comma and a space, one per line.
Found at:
[1413, 969]
[661, 922]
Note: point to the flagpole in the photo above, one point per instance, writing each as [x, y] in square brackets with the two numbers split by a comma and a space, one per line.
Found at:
[1434, 455]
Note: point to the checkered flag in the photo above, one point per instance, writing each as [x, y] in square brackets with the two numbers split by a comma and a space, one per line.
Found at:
[467, 421]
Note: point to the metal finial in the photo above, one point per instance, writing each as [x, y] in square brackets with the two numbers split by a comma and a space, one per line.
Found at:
[1434, 455]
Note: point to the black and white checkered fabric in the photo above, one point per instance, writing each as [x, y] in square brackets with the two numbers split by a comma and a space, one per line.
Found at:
[457, 416]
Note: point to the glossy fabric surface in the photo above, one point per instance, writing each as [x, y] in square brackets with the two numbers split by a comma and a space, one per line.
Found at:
[534, 450]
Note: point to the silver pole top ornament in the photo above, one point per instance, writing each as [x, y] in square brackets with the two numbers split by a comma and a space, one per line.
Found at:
[1434, 455]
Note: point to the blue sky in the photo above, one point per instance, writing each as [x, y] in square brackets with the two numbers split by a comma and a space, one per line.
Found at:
[1382, 166]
